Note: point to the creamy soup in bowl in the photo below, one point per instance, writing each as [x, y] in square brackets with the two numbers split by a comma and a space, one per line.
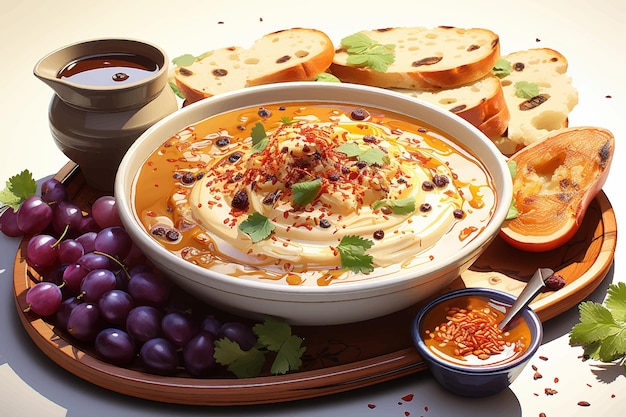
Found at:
[311, 198]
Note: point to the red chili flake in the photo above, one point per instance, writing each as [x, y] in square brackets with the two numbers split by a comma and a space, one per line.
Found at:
[608, 96]
[371, 406]
[550, 391]
[220, 23]
[612, 395]
[542, 414]
[408, 397]
[589, 385]
[543, 358]
[537, 376]
[584, 403]
[556, 379]
[406, 413]
[534, 367]
[537, 40]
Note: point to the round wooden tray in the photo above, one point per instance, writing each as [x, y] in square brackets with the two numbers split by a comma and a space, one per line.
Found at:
[343, 357]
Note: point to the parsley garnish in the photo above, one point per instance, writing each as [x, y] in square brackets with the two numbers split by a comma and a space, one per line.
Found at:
[352, 252]
[373, 156]
[403, 206]
[326, 77]
[274, 335]
[306, 191]
[602, 328]
[286, 120]
[18, 188]
[259, 137]
[502, 68]
[524, 89]
[365, 52]
[257, 226]
[186, 60]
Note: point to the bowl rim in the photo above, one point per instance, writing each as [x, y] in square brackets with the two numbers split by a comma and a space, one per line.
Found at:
[430, 272]
[530, 317]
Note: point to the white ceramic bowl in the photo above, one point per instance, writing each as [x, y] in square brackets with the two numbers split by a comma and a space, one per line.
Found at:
[313, 305]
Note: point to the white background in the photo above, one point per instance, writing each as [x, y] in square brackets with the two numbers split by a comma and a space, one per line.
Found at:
[589, 34]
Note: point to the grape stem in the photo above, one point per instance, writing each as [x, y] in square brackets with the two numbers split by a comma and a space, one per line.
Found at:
[117, 261]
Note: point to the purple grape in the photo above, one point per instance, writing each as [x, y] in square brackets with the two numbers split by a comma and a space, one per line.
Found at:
[63, 313]
[84, 322]
[104, 212]
[53, 191]
[93, 261]
[88, 224]
[114, 241]
[69, 251]
[159, 356]
[238, 333]
[96, 283]
[210, 324]
[34, 215]
[8, 223]
[41, 251]
[87, 240]
[198, 354]
[115, 305]
[149, 288]
[178, 328]
[67, 215]
[73, 275]
[144, 323]
[135, 256]
[115, 346]
[44, 298]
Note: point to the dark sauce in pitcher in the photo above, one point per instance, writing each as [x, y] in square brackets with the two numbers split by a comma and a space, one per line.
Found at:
[108, 70]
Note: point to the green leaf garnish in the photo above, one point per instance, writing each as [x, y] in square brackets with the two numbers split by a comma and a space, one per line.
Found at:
[513, 212]
[257, 226]
[352, 250]
[176, 90]
[502, 68]
[184, 60]
[373, 156]
[602, 328]
[524, 89]
[273, 336]
[326, 77]
[276, 336]
[18, 188]
[286, 120]
[402, 206]
[259, 137]
[365, 52]
[306, 191]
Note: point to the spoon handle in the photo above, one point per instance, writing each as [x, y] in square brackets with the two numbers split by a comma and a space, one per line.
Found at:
[535, 284]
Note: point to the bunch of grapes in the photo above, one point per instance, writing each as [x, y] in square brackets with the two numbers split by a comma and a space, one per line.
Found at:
[98, 287]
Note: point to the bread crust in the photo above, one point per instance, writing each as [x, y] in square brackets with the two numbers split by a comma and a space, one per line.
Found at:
[453, 69]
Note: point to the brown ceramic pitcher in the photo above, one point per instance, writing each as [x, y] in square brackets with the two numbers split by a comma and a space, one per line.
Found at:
[107, 93]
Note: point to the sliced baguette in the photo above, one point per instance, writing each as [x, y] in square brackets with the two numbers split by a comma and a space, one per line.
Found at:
[297, 54]
[477, 102]
[425, 58]
[548, 69]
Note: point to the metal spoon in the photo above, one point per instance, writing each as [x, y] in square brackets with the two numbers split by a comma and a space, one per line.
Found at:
[535, 284]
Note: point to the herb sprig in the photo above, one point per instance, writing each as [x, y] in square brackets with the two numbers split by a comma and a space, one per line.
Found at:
[366, 52]
[602, 327]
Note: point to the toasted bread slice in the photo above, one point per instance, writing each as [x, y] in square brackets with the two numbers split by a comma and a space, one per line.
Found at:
[533, 119]
[297, 54]
[476, 102]
[425, 58]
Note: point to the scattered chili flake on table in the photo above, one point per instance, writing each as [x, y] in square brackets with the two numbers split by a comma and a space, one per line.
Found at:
[584, 403]
[550, 391]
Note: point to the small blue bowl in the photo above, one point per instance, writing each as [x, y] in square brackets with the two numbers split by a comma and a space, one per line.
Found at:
[473, 377]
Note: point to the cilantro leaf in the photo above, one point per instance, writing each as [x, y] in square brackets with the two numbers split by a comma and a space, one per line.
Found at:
[402, 206]
[524, 89]
[18, 188]
[306, 191]
[602, 328]
[286, 120]
[289, 356]
[257, 226]
[276, 336]
[616, 301]
[259, 137]
[373, 156]
[326, 77]
[365, 52]
[184, 60]
[242, 363]
[502, 68]
[352, 252]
